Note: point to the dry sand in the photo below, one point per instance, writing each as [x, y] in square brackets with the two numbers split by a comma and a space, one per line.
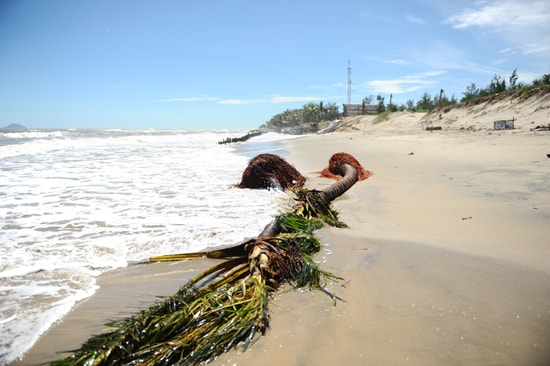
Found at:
[447, 259]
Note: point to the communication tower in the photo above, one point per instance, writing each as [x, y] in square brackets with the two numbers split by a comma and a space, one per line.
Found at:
[349, 83]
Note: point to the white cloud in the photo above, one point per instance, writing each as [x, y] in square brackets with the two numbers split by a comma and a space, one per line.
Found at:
[214, 100]
[530, 48]
[275, 99]
[440, 55]
[240, 101]
[503, 15]
[520, 24]
[397, 62]
[406, 84]
[190, 99]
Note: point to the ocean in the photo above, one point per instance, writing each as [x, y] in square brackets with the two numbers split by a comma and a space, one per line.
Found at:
[77, 203]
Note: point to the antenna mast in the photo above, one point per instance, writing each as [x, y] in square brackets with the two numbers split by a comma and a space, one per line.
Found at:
[349, 83]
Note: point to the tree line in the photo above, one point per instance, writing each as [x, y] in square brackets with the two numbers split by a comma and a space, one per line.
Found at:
[318, 112]
[310, 112]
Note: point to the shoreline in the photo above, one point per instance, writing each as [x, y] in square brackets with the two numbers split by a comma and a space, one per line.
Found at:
[445, 258]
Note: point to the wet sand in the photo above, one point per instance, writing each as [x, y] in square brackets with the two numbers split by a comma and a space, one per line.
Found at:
[446, 261]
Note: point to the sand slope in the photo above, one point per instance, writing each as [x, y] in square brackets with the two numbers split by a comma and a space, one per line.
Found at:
[479, 115]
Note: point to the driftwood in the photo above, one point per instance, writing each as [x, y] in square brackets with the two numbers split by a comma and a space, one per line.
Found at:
[541, 128]
[230, 140]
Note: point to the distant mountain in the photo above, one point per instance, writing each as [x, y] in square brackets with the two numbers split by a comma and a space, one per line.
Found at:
[14, 126]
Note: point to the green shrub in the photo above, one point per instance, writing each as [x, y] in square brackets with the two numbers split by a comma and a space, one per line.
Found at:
[526, 93]
[381, 117]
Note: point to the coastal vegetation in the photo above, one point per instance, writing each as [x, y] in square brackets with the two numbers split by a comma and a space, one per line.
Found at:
[310, 112]
[315, 116]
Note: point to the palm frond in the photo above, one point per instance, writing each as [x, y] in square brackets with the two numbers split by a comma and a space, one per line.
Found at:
[221, 308]
[234, 251]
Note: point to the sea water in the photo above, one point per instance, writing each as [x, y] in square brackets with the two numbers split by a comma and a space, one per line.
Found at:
[77, 203]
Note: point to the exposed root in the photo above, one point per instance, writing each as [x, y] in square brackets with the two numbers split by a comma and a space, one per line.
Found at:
[334, 171]
[270, 171]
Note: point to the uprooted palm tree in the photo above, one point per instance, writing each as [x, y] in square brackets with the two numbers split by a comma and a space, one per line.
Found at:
[227, 305]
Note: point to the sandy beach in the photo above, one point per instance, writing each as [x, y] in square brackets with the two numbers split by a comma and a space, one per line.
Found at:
[446, 259]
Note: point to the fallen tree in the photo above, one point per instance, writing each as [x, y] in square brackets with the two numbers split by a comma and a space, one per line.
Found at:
[226, 305]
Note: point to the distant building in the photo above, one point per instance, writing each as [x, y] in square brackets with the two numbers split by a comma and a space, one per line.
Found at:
[359, 109]
[504, 124]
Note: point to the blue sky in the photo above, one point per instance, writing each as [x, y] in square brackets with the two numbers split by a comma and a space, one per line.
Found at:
[207, 64]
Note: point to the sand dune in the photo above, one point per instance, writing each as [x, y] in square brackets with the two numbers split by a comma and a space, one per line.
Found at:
[527, 113]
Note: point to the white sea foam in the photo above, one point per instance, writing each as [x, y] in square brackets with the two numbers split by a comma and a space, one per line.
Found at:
[78, 203]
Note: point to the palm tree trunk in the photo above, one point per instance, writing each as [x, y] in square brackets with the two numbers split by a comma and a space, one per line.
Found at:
[335, 190]
[271, 229]
[327, 195]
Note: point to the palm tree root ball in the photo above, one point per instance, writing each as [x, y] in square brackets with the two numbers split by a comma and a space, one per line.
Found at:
[270, 171]
[337, 161]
